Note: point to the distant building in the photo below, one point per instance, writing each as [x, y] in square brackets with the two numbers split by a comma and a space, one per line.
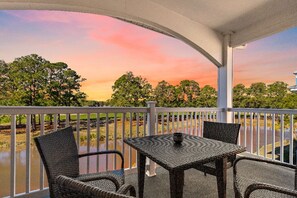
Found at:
[294, 87]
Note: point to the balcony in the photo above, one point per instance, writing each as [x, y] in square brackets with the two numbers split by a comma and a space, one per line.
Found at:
[215, 31]
[264, 132]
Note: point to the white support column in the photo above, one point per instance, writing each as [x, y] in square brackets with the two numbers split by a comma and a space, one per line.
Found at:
[151, 131]
[225, 81]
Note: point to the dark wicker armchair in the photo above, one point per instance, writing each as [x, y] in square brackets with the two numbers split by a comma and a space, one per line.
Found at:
[71, 188]
[255, 177]
[59, 154]
[225, 132]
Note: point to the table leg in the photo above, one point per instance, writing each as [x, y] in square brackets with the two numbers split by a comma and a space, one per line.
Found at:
[141, 173]
[221, 173]
[176, 183]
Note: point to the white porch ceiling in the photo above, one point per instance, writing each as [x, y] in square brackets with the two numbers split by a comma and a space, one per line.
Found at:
[245, 19]
[200, 23]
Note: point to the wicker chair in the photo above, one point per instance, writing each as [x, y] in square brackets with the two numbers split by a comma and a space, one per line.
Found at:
[71, 188]
[59, 154]
[225, 132]
[257, 177]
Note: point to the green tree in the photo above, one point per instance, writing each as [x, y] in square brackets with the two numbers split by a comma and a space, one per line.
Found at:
[239, 96]
[256, 95]
[130, 90]
[27, 81]
[290, 101]
[165, 94]
[5, 84]
[275, 95]
[28, 75]
[188, 92]
[208, 97]
[64, 85]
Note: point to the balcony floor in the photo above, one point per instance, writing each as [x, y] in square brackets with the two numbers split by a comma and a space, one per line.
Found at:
[196, 184]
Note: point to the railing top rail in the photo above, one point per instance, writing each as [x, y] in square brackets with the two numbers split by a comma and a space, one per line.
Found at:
[264, 110]
[15, 110]
[186, 109]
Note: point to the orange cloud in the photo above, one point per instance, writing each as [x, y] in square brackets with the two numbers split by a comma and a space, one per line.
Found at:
[267, 66]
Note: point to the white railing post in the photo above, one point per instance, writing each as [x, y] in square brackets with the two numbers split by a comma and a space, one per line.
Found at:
[151, 171]
[225, 82]
[13, 156]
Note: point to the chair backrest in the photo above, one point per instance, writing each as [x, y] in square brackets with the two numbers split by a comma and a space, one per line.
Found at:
[225, 132]
[59, 153]
[70, 188]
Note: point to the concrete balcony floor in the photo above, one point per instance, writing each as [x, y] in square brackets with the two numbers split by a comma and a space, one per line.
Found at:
[196, 184]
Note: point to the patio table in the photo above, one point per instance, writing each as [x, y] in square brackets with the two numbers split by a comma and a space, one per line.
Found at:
[176, 158]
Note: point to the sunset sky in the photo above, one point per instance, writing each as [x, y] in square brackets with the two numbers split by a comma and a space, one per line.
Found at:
[101, 49]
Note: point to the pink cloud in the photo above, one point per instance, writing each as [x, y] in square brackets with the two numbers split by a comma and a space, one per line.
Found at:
[132, 42]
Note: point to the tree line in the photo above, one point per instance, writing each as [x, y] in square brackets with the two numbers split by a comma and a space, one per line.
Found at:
[34, 81]
[131, 90]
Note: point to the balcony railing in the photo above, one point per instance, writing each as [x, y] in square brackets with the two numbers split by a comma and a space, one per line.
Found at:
[21, 171]
[268, 132]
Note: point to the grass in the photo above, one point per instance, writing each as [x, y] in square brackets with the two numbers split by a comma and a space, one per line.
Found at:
[269, 121]
[114, 131]
[21, 119]
[130, 130]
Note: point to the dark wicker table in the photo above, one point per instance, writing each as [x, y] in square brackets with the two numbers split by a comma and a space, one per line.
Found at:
[178, 158]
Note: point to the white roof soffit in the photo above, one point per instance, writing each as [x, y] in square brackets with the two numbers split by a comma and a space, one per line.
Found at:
[273, 17]
[199, 23]
[246, 20]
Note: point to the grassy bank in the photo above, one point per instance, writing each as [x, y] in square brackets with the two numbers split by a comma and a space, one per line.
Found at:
[130, 130]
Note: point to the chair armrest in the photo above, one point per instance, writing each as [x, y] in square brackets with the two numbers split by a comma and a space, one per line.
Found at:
[100, 177]
[69, 187]
[104, 152]
[261, 186]
[260, 160]
[124, 189]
